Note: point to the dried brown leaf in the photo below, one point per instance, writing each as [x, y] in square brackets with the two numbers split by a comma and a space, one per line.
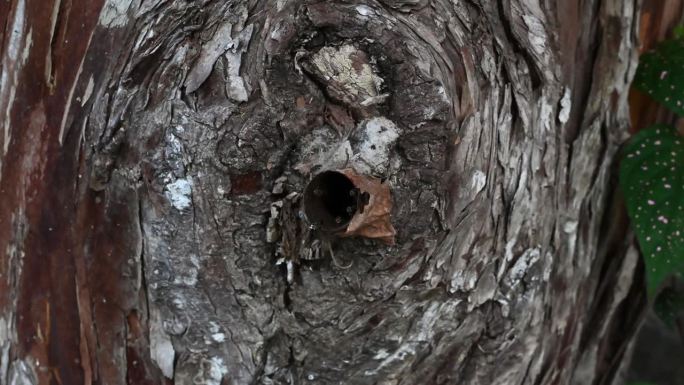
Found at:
[374, 221]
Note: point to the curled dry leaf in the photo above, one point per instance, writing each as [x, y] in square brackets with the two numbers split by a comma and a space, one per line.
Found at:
[372, 220]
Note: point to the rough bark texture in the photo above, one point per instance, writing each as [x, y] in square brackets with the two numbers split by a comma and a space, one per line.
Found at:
[145, 141]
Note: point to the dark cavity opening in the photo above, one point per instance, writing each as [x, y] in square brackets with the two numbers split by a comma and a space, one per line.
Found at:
[331, 200]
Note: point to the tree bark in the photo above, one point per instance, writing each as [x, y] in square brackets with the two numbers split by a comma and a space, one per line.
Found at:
[144, 143]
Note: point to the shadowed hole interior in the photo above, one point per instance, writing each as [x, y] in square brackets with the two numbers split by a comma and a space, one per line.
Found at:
[331, 200]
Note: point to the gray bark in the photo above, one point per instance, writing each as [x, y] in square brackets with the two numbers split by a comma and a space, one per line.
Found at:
[496, 125]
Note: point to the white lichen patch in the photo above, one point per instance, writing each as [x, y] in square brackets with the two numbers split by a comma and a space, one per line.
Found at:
[161, 348]
[381, 354]
[401, 354]
[114, 13]
[347, 72]
[217, 369]
[570, 227]
[364, 10]
[478, 181]
[218, 337]
[337, 157]
[518, 271]
[536, 34]
[326, 150]
[214, 327]
[375, 137]
[179, 193]
[566, 107]
[368, 149]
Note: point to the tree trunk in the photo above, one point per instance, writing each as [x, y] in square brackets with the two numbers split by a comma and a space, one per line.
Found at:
[145, 143]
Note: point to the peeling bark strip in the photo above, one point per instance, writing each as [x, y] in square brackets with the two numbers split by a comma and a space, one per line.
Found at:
[141, 165]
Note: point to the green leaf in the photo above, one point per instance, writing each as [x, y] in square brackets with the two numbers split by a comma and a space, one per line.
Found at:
[678, 32]
[661, 74]
[652, 179]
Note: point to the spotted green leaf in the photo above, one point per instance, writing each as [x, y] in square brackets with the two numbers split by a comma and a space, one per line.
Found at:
[661, 74]
[652, 179]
